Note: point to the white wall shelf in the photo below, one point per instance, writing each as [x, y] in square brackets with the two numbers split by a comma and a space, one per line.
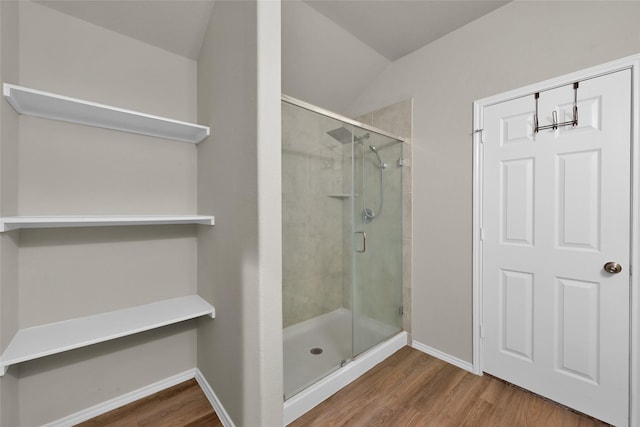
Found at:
[58, 107]
[40, 341]
[9, 223]
[342, 196]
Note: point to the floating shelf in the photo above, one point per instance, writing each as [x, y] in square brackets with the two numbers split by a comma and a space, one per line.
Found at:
[58, 107]
[8, 223]
[40, 341]
[342, 196]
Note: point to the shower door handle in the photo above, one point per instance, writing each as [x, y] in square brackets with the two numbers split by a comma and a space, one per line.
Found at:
[364, 242]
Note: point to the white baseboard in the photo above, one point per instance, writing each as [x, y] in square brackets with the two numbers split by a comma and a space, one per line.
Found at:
[225, 419]
[125, 399]
[442, 356]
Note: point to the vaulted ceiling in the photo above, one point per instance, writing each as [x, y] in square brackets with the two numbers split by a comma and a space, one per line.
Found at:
[393, 28]
[174, 25]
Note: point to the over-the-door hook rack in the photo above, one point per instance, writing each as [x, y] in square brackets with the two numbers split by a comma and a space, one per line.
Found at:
[554, 114]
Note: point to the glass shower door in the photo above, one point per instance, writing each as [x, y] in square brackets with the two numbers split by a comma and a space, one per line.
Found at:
[341, 242]
[377, 240]
[315, 206]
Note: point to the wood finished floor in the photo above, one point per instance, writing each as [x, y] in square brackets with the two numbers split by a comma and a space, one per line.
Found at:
[413, 389]
[408, 389]
[183, 405]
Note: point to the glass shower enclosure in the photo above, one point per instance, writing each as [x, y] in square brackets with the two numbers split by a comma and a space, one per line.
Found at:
[342, 241]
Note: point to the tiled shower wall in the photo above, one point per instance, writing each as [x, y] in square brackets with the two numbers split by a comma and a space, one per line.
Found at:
[398, 120]
[316, 250]
[312, 221]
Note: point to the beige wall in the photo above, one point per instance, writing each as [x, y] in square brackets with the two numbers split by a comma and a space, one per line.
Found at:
[9, 314]
[240, 259]
[73, 169]
[67, 274]
[323, 63]
[74, 173]
[518, 44]
[62, 384]
[86, 61]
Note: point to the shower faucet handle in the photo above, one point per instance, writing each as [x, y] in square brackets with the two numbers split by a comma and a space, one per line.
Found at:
[364, 242]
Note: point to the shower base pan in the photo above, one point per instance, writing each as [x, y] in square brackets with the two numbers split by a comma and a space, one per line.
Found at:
[321, 374]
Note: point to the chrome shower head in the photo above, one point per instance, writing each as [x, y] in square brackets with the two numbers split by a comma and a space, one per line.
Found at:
[344, 135]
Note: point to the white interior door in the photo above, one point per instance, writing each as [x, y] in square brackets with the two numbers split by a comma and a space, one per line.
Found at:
[556, 208]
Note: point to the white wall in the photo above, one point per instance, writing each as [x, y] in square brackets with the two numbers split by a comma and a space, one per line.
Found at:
[321, 62]
[269, 139]
[518, 44]
[240, 258]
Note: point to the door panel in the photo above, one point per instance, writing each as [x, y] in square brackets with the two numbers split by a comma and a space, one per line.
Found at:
[517, 314]
[555, 210]
[578, 206]
[518, 128]
[517, 201]
[578, 328]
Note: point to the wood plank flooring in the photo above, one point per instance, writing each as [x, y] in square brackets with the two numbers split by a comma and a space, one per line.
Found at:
[408, 389]
[413, 389]
[183, 405]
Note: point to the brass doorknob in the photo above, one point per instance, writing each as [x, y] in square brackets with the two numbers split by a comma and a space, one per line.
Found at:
[612, 267]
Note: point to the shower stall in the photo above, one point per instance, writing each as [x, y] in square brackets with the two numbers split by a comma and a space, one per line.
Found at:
[342, 241]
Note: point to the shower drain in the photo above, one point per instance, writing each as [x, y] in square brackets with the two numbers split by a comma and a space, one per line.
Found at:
[316, 350]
